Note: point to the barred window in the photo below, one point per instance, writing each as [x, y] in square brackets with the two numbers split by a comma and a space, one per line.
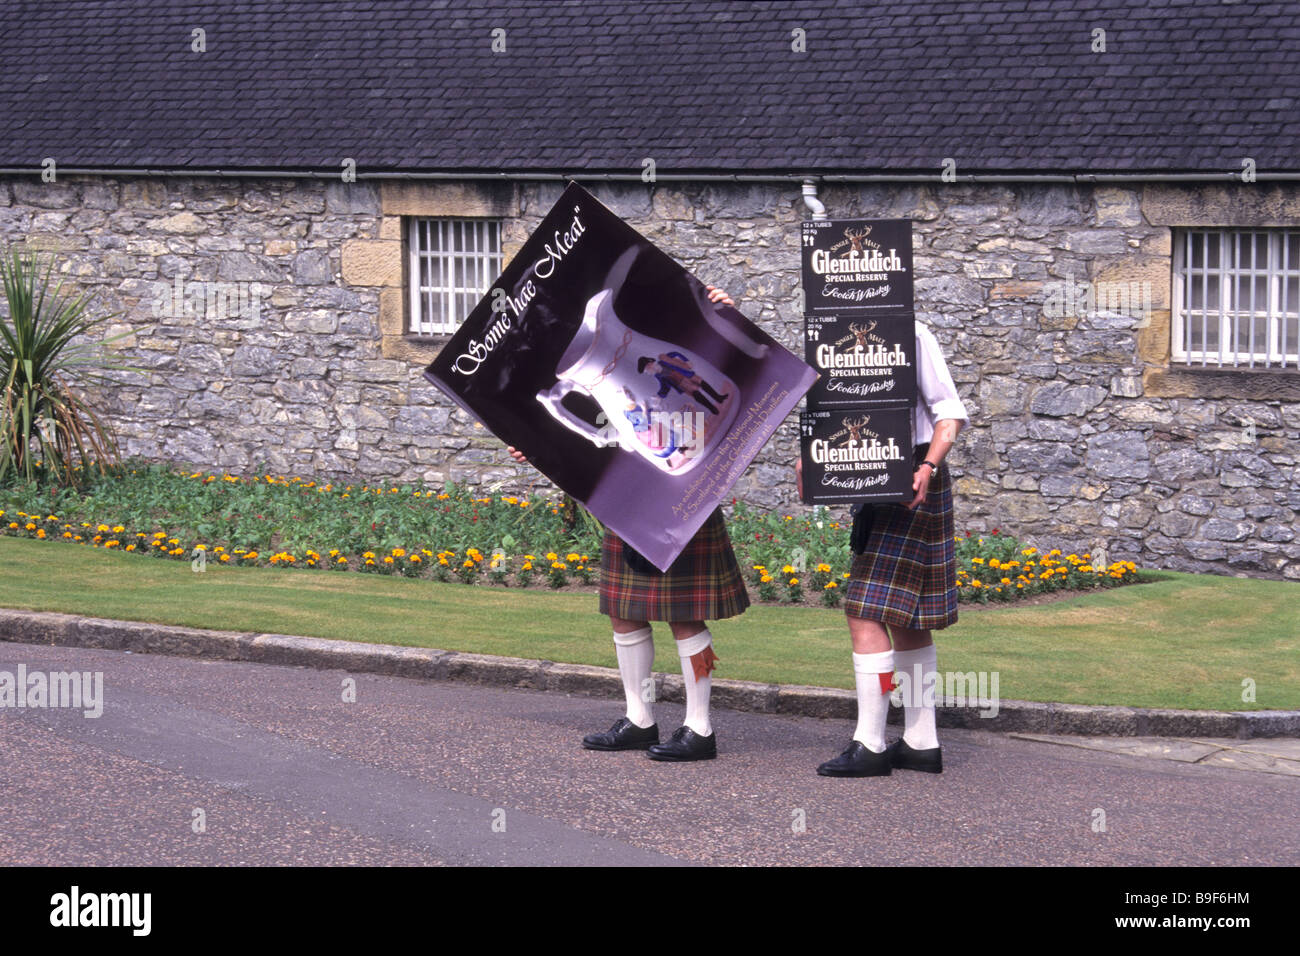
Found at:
[1236, 297]
[453, 261]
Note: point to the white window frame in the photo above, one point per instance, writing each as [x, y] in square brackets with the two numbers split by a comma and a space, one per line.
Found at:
[438, 306]
[1268, 319]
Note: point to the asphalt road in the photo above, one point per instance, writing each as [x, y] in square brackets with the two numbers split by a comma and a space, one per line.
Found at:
[284, 771]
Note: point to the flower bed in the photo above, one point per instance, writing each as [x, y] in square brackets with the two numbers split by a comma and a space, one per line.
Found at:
[465, 535]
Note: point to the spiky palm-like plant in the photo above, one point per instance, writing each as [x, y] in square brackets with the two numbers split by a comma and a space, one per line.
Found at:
[44, 347]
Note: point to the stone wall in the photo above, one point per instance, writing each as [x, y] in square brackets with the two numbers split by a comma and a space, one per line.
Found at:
[1084, 436]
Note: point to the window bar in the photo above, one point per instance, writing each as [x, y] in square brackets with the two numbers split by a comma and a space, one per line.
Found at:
[426, 253]
[1233, 311]
[1205, 295]
[1254, 243]
[1187, 295]
[434, 280]
[1227, 292]
[1270, 284]
[419, 278]
[1286, 297]
[449, 262]
[478, 264]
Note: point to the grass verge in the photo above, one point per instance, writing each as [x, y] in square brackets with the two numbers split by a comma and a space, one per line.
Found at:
[1184, 641]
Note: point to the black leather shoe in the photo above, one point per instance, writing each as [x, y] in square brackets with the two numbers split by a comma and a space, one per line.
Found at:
[927, 761]
[857, 761]
[624, 735]
[685, 744]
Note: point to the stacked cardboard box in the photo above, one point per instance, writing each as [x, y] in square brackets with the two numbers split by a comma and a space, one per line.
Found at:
[860, 335]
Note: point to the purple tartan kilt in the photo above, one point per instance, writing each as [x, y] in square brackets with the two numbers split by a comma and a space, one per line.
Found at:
[703, 584]
[907, 573]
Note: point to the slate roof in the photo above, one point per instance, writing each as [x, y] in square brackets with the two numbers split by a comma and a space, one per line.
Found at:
[999, 85]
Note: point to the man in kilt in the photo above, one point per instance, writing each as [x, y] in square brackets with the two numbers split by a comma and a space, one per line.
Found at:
[703, 584]
[903, 585]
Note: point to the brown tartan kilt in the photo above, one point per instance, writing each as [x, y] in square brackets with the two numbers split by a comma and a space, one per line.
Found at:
[703, 584]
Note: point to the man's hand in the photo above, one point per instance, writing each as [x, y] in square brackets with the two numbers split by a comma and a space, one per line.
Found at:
[798, 475]
[516, 454]
[920, 484]
[717, 295]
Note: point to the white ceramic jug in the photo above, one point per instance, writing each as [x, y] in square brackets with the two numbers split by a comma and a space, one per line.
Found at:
[658, 400]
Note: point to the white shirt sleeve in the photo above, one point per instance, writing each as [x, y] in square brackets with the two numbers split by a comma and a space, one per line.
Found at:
[934, 385]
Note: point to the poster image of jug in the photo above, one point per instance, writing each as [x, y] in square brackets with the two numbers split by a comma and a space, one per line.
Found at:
[603, 360]
[857, 265]
[857, 454]
[670, 407]
[863, 359]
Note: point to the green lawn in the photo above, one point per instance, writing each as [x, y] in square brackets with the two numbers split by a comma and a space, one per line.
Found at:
[1182, 640]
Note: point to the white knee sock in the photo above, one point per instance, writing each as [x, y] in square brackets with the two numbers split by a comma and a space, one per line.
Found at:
[636, 658]
[873, 697]
[697, 657]
[918, 712]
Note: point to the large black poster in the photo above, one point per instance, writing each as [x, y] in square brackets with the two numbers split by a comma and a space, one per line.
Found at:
[603, 360]
[859, 454]
[863, 359]
[857, 265]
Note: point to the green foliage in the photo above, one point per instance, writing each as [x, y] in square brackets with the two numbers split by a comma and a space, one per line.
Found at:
[47, 432]
[461, 534]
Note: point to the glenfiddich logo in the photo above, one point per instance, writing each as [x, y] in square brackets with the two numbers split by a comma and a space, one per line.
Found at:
[867, 351]
[856, 253]
[859, 443]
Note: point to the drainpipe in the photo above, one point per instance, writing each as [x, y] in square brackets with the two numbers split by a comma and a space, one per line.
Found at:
[810, 199]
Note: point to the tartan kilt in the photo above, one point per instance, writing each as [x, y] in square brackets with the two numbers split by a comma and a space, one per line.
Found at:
[703, 584]
[907, 573]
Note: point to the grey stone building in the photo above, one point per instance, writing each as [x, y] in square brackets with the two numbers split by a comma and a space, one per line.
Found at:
[293, 208]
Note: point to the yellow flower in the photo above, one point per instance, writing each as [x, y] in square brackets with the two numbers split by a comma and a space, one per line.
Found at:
[824, 568]
[828, 585]
[794, 581]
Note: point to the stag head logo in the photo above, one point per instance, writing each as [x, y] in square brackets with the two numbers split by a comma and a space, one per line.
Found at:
[855, 427]
[855, 236]
[860, 333]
